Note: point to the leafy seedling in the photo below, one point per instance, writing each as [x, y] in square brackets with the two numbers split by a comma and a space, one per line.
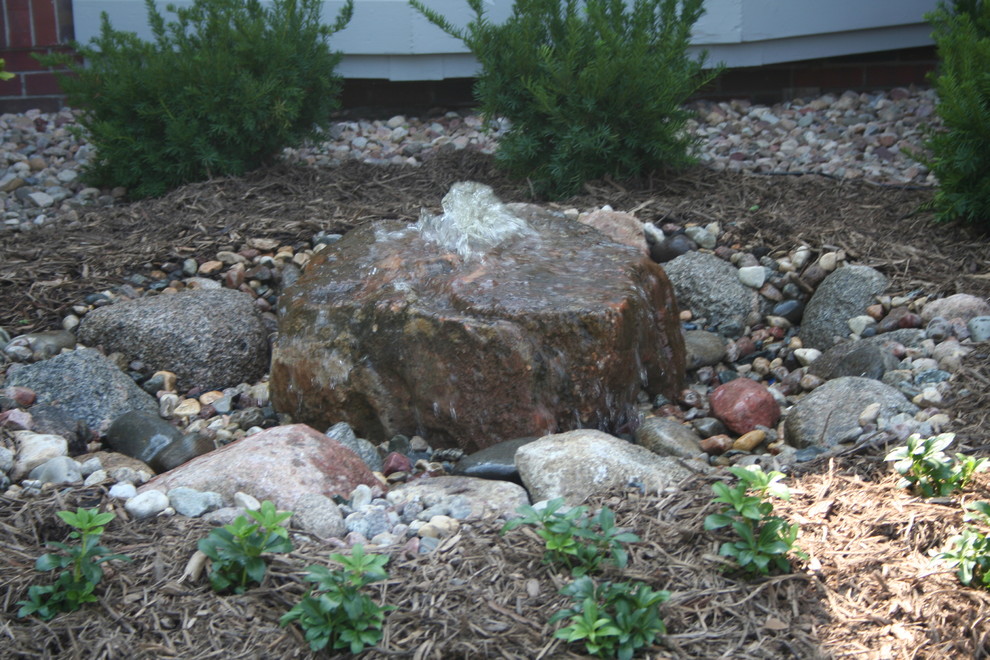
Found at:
[925, 467]
[969, 552]
[236, 550]
[765, 540]
[79, 563]
[613, 620]
[574, 538]
[334, 612]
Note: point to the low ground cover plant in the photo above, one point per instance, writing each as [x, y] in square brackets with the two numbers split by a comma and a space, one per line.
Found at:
[926, 468]
[969, 551]
[220, 90]
[765, 541]
[80, 566]
[236, 550]
[334, 612]
[613, 620]
[574, 538]
[958, 154]
[591, 89]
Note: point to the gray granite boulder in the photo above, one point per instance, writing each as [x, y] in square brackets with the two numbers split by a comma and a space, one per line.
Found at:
[578, 464]
[85, 384]
[845, 293]
[710, 288]
[211, 339]
[859, 358]
[829, 415]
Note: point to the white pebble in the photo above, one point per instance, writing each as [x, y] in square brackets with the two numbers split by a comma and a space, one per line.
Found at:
[147, 504]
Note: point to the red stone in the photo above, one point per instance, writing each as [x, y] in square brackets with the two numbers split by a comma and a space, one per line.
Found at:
[280, 464]
[396, 462]
[743, 404]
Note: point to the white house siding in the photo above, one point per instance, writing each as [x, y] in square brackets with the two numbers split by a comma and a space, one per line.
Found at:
[387, 39]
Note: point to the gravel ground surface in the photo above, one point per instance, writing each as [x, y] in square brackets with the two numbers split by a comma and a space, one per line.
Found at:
[851, 136]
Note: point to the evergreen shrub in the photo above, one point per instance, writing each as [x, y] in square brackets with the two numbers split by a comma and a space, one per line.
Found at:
[591, 87]
[958, 151]
[220, 90]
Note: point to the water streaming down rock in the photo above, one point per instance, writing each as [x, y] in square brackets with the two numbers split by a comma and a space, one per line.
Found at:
[486, 323]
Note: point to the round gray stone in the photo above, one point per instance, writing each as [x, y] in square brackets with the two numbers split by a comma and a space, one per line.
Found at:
[829, 415]
[845, 293]
[711, 289]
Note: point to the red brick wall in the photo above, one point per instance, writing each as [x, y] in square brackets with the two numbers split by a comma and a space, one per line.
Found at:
[26, 27]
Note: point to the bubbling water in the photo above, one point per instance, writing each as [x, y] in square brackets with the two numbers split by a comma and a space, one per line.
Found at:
[473, 222]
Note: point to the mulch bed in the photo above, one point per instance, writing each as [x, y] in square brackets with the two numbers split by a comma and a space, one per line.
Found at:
[868, 590]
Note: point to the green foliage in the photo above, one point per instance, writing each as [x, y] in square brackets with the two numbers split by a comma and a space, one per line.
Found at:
[79, 565]
[235, 550]
[591, 89]
[927, 469]
[959, 157]
[4, 74]
[220, 90]
[575, 539]
[765, 540]
[334, 612]
[612, 619]
[969, 552]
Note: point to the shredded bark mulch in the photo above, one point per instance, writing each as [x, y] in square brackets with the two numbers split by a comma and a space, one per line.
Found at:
[869, 588]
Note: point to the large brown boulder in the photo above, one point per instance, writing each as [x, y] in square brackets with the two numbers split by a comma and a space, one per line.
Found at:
[555, 328]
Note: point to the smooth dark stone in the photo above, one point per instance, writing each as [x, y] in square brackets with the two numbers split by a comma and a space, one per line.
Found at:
[672, 247]
[496, 462]
[792, 310]
[932, 376]
[154, 441]
[708, 426]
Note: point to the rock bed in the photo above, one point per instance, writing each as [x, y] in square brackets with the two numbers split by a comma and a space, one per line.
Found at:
[850, 136]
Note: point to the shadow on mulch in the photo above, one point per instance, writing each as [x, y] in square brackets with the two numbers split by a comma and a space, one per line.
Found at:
[868, 590]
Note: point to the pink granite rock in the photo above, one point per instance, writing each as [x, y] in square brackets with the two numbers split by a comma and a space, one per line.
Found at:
[960, 305]
[280, 464]
[621, 227]
[743, 404]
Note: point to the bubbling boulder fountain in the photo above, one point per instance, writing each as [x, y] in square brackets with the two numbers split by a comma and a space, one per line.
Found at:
[485, 323]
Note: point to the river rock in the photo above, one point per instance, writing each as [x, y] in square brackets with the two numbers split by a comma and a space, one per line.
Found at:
[845, 293]
[344, 434]
[486, 498]
[58, 470]
[319, 515]
[143, 436]
[743, 404]
[279, 464]
[703, 349]
[495, 462]
[210, 339]
[668, 437]
[830, 414]
[859, 358]
[711, 289]
[397, 333]
[578, 464]
[957, 306]
[86, 385]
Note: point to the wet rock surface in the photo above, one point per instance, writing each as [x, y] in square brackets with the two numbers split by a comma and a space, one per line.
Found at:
[550, 331]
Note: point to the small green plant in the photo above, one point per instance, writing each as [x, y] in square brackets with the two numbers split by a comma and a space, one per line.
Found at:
[612, 619]
[969, 552]
[574, 538]
[334, 612]
[236, 550]
[4, 74]
[220, 90]
[925, 467]
[958, 155]
[80, 566]
[765, 540]
[591, 88]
